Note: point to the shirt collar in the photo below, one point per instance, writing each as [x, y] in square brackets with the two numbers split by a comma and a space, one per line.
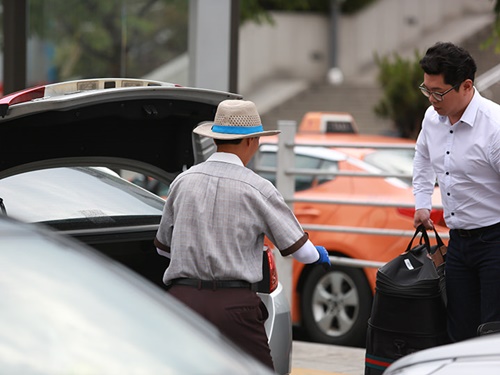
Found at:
[226, 157]
[470, 112]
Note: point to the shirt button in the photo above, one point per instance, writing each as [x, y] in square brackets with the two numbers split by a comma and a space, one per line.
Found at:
[447, 152]
[448, 194]
[451, 131]
[447, 173]
[452, 214]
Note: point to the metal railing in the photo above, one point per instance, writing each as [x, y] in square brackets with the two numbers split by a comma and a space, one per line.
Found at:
[285, 182]
[286, 171]
[488, 79]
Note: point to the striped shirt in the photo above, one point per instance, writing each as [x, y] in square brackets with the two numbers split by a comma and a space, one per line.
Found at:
[215, 219]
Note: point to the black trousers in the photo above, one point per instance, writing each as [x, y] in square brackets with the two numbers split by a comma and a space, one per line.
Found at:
[472, 281]
[237, 312]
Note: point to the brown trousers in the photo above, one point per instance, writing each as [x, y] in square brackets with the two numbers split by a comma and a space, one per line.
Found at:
[238, 313]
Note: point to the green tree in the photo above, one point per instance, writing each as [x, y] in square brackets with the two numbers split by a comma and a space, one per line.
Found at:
[493, 41]
[129, 38]
[110, 38]
[402, 101]
[258, 10]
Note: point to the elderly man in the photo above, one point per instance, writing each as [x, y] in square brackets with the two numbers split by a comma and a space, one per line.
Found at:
[213, 227]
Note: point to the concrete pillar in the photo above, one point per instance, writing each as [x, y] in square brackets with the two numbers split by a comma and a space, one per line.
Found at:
[213, 37]
[14, 53]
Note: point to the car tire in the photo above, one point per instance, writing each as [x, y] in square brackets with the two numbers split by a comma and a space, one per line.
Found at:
[336, 306]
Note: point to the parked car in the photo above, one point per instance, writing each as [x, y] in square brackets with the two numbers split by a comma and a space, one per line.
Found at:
[55, 136]
[479, 355]
[335, 307]
[67, 309]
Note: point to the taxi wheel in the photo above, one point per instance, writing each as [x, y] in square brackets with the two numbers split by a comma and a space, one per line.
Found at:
[336, 306]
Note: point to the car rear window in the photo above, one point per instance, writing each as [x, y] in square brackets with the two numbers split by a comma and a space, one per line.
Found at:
[95, 196]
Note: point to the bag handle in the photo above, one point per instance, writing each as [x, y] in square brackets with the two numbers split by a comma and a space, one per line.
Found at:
[421, 229]
[438, 239]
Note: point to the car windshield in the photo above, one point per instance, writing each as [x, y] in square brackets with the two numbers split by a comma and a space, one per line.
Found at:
[93, 196]
[302, 182]
[393, 161]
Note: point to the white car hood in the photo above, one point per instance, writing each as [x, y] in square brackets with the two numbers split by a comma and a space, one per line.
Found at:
[480, 355]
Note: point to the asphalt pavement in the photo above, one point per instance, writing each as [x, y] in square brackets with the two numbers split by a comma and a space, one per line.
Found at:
[319, 359]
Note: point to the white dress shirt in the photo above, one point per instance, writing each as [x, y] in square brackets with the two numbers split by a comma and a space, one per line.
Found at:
[465, 159]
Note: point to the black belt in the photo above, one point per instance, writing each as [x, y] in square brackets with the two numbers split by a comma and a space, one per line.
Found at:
[212, 284]
[475, 232]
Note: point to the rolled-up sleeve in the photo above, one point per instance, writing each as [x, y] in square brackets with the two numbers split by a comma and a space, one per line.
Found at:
[283, 228]
[163, 237]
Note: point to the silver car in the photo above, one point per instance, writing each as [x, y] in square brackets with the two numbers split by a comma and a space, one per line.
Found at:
[479, 355]
[66, 148]
[66, 309]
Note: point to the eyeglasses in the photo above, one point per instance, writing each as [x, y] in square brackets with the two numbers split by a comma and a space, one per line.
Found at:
[436, 95]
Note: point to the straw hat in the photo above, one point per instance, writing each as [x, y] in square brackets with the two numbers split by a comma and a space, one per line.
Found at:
[235, 119]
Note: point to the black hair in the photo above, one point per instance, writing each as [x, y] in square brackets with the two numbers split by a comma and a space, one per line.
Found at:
[228, 141]
[453, 62]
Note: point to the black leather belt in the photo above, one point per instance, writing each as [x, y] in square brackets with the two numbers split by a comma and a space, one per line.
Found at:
[212, 284]
[475, 232]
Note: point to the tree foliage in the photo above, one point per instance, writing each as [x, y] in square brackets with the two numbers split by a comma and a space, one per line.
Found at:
[258, 10]
[402, 101]
[129, 38]
[493, 41]
[110, 38]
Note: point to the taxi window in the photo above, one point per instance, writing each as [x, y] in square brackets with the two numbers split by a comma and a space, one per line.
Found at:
[330, 166]
[302, 182]
[393, 161]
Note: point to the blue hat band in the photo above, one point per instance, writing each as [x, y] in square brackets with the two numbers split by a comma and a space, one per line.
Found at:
[237, 129]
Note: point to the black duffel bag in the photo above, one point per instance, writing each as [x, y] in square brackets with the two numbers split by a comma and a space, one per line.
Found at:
[409, 306]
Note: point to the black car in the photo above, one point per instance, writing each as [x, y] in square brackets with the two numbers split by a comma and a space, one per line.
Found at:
[68, 149]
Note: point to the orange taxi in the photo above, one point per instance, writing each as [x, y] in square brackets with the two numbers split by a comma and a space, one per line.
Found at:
[334, 307]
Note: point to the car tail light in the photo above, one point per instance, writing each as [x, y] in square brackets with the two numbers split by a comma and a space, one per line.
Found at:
[71, 87]
[436, 215]
[20, 97]
[273, 270]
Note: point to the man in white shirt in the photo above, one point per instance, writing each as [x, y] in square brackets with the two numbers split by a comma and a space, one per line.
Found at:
[459, 145]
